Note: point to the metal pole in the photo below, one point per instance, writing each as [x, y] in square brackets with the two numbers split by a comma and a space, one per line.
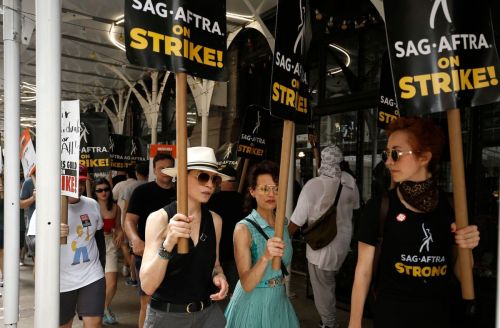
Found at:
[48, 142]
[11, 39]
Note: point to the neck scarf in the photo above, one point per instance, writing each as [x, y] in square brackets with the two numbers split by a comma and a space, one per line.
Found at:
[423, 195]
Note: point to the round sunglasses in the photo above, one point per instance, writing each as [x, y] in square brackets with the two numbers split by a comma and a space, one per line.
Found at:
[99, 190]
[395, 154]
[203, 178]
[267, 189]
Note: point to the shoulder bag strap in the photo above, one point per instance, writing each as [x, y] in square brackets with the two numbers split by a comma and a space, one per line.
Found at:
[384, 209]
[261, 231]
[337, 197]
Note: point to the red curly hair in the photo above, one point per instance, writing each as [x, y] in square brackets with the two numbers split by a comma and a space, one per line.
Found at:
[423, 135]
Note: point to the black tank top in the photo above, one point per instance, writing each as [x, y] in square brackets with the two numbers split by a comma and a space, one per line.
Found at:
[189, 276]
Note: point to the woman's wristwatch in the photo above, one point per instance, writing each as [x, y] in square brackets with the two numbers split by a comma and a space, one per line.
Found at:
[164, 254]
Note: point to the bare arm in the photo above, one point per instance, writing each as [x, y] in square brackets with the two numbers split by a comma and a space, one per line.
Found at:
[137, 243]
[118, 228]
[361, 285]
[251, 276]
[219, 278]
[292, 227]
[160, 232]
[25, 203]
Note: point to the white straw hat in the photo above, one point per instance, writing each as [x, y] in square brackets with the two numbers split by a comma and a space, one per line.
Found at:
[199, 158]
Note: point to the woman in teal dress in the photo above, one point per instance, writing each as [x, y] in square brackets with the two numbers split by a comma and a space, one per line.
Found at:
[259, 299]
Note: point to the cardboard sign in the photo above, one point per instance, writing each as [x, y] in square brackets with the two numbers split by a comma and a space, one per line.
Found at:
[442, 53]
[289, 82]
[180, 35]
[388, 110]
[94, 143]
[252, 142]
[155, 149]
[27, 153]
[70, 147]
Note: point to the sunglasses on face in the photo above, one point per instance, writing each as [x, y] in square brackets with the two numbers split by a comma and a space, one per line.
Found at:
[266, 189]
[203, 179]
[99, 190]
[395, 154]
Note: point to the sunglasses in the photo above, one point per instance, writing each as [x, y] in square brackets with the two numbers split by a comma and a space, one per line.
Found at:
[99, 190]
[266, 189]
[203, 179]
[395, 154]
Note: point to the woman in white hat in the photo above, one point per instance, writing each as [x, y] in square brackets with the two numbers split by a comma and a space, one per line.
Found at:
[184, 287]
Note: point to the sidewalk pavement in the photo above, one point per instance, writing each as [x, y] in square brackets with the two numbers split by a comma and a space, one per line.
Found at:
[126, 303]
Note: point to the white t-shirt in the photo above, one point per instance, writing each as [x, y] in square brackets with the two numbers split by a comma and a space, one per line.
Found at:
[79, 259]
[316, 197]
[119, 188]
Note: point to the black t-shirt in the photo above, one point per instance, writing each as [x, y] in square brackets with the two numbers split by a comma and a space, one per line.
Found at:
[415, 260]
[189, 276]
[146, 199]
[229, 205]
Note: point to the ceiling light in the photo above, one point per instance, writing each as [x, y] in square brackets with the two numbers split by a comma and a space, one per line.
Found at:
[333, 71]
[301, 154]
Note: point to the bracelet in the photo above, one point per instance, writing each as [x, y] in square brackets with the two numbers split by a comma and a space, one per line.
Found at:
[164, 254]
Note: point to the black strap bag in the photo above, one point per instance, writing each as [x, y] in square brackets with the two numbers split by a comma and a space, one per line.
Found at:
[323, 230]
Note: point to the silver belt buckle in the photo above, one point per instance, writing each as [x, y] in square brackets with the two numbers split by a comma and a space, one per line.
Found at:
[274, 282]
[188, 309]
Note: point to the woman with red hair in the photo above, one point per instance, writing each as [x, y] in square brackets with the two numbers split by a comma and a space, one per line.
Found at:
[418, 253]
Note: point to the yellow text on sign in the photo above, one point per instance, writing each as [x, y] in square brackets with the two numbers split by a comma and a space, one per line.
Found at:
[457, 79]
[289, 97]
[142, 39]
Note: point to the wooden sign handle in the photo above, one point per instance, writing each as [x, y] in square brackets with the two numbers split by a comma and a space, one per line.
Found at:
[286, 148]
[64, 217]
[243, 175]
[460, 199]
[181, 140]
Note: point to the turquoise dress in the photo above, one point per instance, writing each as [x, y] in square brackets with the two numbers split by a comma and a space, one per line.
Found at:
[266, 305]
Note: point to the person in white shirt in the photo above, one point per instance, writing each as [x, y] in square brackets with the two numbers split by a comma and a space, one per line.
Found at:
[82, 284]
[316, 197]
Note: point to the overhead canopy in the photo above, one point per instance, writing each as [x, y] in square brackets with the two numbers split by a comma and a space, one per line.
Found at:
[92, 38]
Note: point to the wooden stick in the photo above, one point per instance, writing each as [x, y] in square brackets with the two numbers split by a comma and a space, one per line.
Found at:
[286, 148]
[243, 175]
[460, 199]
[181, 140]
[88, 188]
[64, 217]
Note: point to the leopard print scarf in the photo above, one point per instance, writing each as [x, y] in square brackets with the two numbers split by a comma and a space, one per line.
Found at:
[423, 195]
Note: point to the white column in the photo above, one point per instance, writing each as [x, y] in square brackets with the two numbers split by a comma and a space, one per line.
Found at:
[48, 151]
[204, 129]
[11, 36]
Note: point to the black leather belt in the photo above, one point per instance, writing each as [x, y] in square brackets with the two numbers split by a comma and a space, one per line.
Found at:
[195, 306]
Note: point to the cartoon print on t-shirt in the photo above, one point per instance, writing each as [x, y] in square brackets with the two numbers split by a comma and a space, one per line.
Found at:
[427, 239]
[79, 249]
